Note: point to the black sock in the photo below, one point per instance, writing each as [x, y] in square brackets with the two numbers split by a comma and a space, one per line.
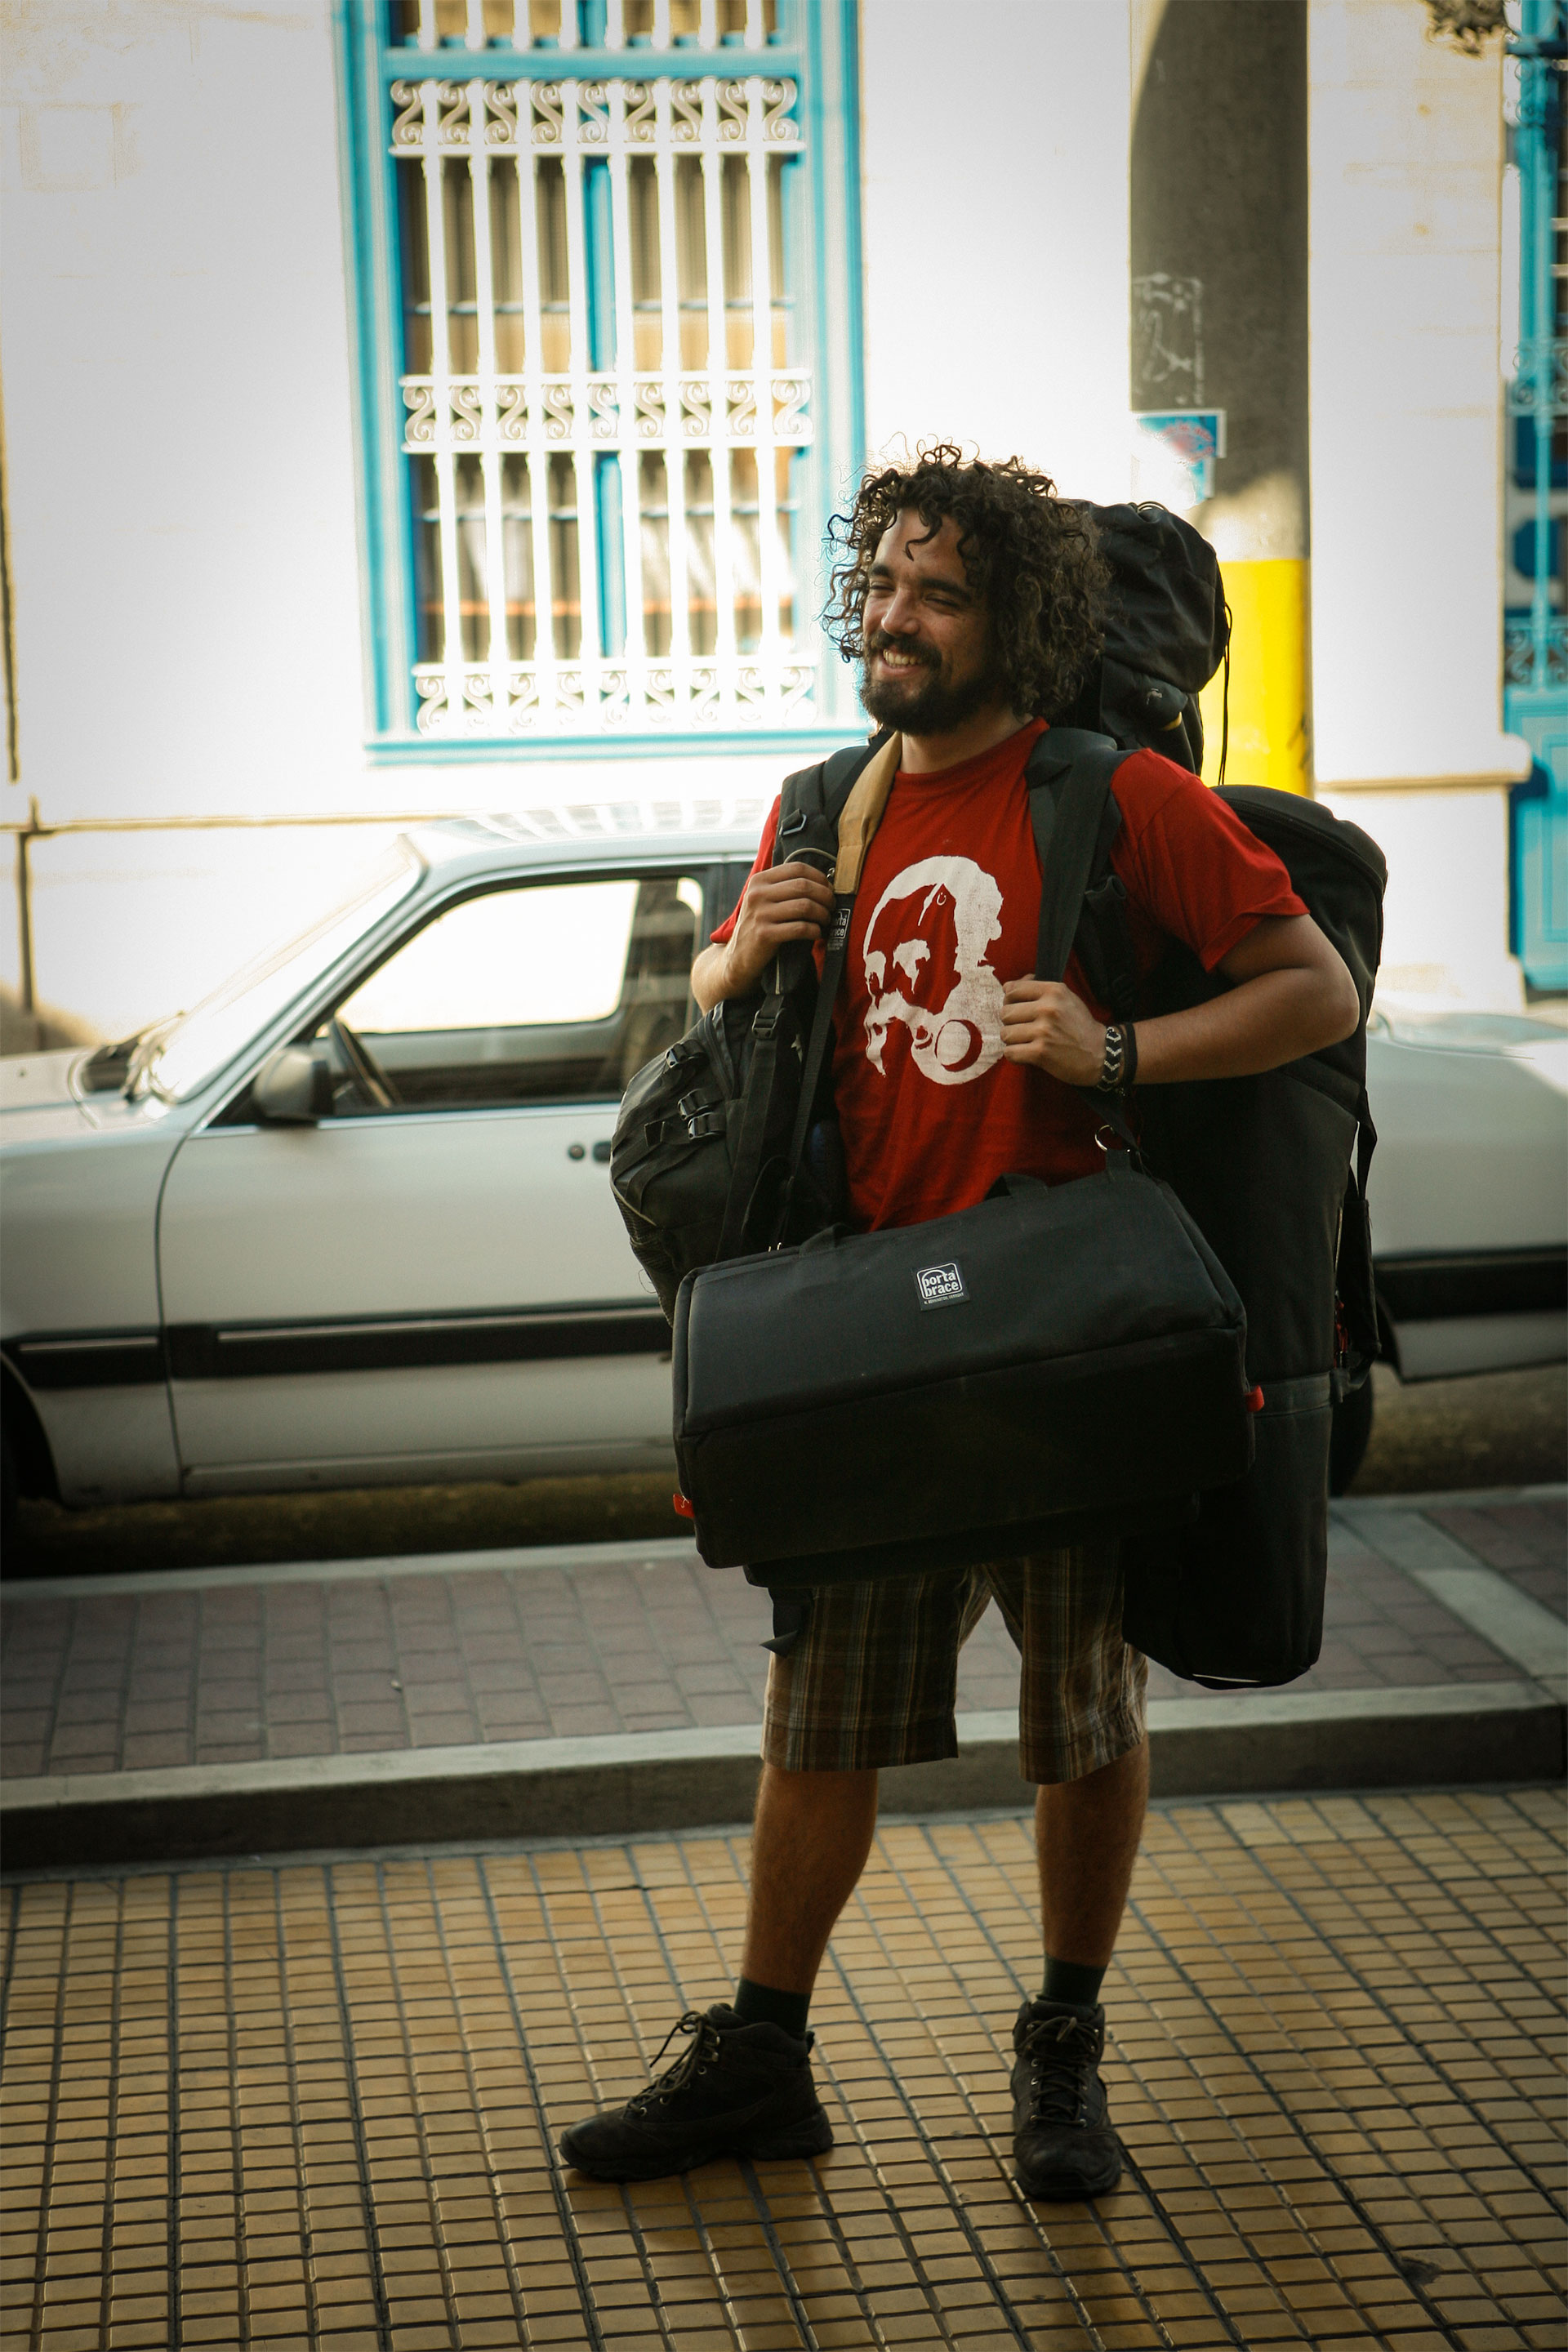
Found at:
[1070, 1980]
[758, 2004]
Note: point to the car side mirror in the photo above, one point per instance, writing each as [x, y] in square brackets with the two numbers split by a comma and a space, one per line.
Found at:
[293, 1087]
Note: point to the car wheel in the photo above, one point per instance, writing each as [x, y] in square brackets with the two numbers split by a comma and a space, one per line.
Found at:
[1350, 1438]
[10, 1490]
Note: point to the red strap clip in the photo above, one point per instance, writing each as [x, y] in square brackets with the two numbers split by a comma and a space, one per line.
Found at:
[1254, 1399]
[687, 1510]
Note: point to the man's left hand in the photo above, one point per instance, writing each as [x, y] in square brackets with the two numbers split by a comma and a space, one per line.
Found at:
[1045, 1024]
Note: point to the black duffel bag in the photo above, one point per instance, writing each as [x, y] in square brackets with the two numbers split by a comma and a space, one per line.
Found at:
[1058, 1359]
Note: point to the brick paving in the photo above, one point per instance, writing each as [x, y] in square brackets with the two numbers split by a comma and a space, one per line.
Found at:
[231, 1673]
[1527, 1541]
[314, 2107]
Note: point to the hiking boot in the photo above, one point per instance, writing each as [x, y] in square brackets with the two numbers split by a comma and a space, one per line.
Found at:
[735, 2090]
[1062, 2141]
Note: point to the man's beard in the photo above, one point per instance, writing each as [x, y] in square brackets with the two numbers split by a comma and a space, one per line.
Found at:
[923, 705]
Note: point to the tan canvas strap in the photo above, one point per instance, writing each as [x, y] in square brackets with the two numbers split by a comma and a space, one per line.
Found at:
[862, 814]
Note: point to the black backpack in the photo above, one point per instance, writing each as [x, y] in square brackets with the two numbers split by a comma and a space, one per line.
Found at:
[1273, 1171]
[1167, 631]
[705, 1161]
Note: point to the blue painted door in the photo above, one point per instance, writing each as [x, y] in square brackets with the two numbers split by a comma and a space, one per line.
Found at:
[1539, 830]
[1535, 700]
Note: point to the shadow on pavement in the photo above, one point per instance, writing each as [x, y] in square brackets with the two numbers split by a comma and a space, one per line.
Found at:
[1500, 1429]
[362, 1523]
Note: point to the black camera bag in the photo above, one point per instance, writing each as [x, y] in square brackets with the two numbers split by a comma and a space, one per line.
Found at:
[1060, 1357]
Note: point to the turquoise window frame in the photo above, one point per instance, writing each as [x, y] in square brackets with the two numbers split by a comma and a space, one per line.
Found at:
[817, 46]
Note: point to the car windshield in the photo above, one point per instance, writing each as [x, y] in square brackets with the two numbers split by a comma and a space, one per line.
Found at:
[178, 1056]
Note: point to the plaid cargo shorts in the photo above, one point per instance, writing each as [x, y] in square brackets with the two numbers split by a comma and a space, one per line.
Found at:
[872, 1678]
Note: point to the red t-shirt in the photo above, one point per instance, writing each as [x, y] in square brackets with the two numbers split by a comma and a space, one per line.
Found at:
[947, 908]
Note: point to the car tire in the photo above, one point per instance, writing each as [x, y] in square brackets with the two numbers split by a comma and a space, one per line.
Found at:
[10, 1491]
[1350, 1438]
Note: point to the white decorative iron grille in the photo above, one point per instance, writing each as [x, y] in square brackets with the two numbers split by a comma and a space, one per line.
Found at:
[606, 405]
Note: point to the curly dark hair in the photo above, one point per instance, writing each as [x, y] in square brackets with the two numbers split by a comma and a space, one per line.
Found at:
[1029, 552]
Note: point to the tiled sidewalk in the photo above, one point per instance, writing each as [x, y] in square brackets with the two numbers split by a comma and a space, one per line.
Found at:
[313, 2108]
[225, 1672]
[1522, 1541]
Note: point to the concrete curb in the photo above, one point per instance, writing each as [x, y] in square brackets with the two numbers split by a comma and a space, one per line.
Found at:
[616, 1553]
[639, 1782]
[563, 1558]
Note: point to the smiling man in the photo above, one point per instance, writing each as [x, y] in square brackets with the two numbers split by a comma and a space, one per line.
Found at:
[971, 596]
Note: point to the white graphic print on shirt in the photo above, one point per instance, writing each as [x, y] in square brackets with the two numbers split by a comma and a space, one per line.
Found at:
[924, 960]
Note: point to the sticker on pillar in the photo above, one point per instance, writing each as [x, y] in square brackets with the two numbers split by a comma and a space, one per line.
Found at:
[1173, 455]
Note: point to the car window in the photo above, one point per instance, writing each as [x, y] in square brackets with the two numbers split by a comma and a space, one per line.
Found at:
[540, 992]
[196, 1046]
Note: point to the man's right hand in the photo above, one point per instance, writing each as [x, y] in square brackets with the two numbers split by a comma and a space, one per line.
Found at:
[782, 903]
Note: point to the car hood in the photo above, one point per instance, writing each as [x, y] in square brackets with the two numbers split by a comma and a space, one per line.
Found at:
[1540, 1046]
[36, 1098]
[38, 1104]
[37, 1081]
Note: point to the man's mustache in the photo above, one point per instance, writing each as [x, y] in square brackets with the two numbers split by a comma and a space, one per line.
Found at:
[879, 642]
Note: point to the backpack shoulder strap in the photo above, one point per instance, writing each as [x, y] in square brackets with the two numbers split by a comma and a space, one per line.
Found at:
[1069, 778]
[859, 806]
[866, 785]
[812, 800]
[840, 770]
[800, 802]
[828, 813]
[1353, 1277]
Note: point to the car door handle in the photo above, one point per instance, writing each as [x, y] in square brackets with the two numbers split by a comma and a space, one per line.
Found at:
[601, 1154]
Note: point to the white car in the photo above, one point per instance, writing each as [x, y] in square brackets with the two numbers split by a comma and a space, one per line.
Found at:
[349, 1221]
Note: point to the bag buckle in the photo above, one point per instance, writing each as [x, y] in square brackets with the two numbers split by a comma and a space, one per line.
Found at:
[1105, 1135]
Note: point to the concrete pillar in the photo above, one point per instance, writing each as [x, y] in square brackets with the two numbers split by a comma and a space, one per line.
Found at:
[1406, 156]
[1219, 322]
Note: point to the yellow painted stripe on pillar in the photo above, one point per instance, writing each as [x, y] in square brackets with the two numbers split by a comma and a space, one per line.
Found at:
[1270, 680]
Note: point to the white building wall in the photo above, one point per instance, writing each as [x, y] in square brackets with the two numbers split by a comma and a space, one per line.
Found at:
[179, 419]
[181, 492]
[1407, 467]
[183, 479]
[997, 233]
